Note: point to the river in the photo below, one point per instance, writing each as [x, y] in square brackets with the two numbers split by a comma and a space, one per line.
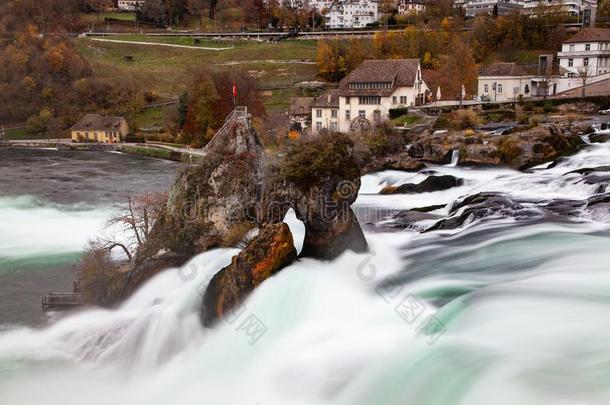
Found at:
[510, 308]
[51, 204]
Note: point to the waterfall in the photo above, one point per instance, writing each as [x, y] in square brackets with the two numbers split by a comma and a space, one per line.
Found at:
[455, 158]
[495, 311]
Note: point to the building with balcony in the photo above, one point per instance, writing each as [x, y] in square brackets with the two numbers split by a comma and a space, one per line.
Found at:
[366, 96]
[473, 8]
[587, 51]
[352, 14]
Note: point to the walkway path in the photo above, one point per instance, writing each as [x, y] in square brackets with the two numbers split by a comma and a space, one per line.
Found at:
[204, 48]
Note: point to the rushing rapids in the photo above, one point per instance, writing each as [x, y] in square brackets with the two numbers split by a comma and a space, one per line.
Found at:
[510, 307]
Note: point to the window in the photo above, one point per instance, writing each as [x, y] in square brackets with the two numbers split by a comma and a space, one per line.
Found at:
[500, 88]
[527, 89]
[319, 113]
[377, 115]
[403, 99]
[587, 47]
[362, 114]
[585, 61]
[486, 88]
[368, 100]
[347, 115]
[333, 127]
[571, 48]
[318, 126]
[333, 113]
[394, 100]
[347, 100]
[570, 62]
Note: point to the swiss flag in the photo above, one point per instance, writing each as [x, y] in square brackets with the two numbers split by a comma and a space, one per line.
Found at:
[234, 90]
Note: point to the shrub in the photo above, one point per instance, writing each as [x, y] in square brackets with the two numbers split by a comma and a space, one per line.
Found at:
[397, 112]
[99, 278]
[309, 160]
[464, 119]
[509, 150]
[548, 107]
[522, 118]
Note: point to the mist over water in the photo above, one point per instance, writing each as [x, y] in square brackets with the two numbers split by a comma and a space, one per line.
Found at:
[522, 309]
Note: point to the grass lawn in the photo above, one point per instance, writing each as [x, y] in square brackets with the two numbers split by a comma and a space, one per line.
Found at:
[124, 16]
[152, 117]
[406, 120]
[167, 70]
[22, 133]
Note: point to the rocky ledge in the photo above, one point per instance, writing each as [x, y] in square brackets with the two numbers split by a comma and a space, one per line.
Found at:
[520, 149]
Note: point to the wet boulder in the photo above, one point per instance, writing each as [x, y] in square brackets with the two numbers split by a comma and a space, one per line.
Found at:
[599, 138]
[482, 205]
[430, 184]
[402, 162]
[266, 254]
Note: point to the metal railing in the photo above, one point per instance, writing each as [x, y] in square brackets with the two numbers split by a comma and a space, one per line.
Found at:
[238, 114]
[61, 300]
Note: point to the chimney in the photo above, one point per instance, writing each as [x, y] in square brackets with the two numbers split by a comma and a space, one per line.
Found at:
[329, 96]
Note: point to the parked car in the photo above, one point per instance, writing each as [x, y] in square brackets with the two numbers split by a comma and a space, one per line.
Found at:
[604, 112]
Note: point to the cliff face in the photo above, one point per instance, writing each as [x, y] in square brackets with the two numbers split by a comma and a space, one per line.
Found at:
[210, 205]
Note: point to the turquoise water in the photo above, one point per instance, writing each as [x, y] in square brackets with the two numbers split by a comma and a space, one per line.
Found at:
[500, 311]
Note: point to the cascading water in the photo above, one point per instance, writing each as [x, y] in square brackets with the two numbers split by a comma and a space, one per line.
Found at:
[521, 311]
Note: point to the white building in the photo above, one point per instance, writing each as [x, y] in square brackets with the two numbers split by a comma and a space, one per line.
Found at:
[352, 14]
[589, 48]
[130, 5]
[366, 96]
[475, 8]
[504, 82]
[319, 5]
[572, 7]
[411, 6]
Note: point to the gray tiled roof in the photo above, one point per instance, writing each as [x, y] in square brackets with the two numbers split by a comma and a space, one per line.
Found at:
[96, 122]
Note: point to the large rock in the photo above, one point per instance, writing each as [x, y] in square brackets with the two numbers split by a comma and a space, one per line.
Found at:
[430, 184]
[320, 180]
[210, 205]
[270, 251]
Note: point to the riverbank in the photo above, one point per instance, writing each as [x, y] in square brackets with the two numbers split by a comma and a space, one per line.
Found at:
[159, 151]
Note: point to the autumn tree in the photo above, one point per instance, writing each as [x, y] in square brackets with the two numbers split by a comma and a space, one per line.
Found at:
[460, 67]
[200, 117]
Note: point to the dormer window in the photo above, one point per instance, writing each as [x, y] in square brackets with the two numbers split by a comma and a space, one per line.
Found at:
[370, 85]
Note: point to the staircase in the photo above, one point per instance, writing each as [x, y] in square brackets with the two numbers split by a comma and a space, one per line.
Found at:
[239, 114]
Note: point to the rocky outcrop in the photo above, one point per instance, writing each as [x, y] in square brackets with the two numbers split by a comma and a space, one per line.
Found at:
[320, 180]
[270, 251]
[401, 161]
[520, 149]
[209, 205]
[430, 184]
